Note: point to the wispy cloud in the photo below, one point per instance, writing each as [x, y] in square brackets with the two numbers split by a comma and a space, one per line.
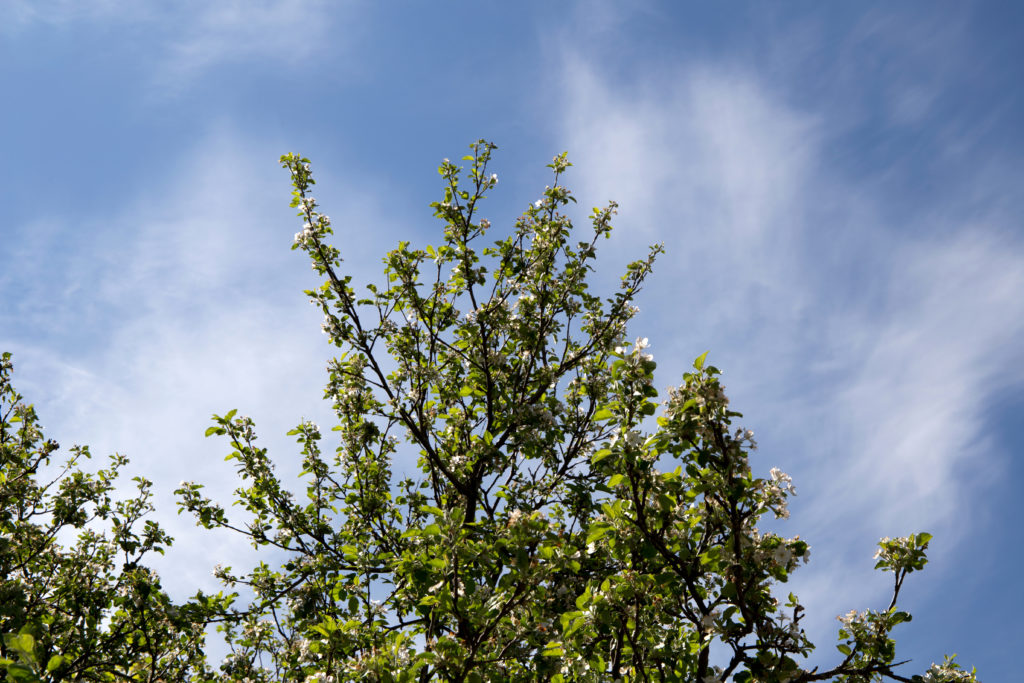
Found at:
[181, 303]
[185, 40]
[939, 351]
[864, 351]
[19, 15]
[284, 31]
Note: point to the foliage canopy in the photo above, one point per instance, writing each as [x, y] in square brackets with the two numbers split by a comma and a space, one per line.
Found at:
[557, 526]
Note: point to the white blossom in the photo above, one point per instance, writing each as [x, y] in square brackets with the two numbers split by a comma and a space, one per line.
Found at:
[707, 622]
[320, 677]
[782, 555]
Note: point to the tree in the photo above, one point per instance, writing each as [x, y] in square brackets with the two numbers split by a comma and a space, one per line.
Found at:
[91, 611]
[554, 529]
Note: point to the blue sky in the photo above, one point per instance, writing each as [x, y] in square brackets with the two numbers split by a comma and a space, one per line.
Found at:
[838, 186]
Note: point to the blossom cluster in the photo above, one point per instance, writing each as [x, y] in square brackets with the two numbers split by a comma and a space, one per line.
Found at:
[902, 555]
[949, 672]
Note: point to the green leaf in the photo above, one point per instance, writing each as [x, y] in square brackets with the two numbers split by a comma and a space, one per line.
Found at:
[577, 622]
[22, 643]
[596, 532]
[20, 672]
[699, 363]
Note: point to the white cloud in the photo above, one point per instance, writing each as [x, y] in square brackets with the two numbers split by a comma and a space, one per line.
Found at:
[183, 41]
[182, 303]
[864, 353]
[940, 354]
[917, 55]
[18, 15]
[284, 31]
[702, 160]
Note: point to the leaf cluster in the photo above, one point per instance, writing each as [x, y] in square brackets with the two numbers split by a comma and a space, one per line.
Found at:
[555, 526]
[501, 498]
[88, 610]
